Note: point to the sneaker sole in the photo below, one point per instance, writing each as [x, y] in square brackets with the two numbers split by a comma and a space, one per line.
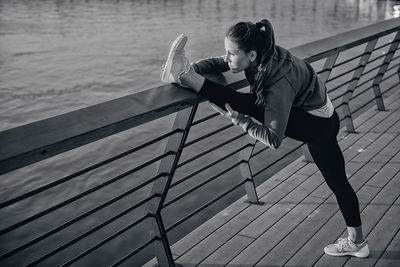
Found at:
[355, 254]
[178, 43]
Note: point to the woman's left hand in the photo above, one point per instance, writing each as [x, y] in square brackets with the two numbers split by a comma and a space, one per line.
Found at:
[230, 113]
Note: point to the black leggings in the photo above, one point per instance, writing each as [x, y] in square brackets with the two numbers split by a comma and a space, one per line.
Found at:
[318, 133]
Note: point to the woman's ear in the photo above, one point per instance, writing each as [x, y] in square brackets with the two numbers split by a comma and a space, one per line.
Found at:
[253, 56]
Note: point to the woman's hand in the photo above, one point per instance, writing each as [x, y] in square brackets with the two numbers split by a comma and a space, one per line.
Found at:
[230, 113]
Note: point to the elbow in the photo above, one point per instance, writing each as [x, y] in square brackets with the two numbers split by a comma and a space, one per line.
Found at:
[276, 145]
[275, 142]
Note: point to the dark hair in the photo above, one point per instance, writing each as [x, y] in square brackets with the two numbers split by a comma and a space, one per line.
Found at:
[252, 37]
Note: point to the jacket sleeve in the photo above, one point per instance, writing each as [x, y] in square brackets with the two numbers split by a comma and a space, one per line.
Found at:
[211, 65]
[278, 102]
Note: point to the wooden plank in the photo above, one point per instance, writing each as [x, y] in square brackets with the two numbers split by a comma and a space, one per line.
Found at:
[230, 229]
[269, 234]
[312, 251]
[262, 225]
[381, 235]
[227, 252]
[230, 212]
[207, 229]
[286, 248]
[372, 215]
[369, 119]
[208, 247]
[391, 256]
[302, 232]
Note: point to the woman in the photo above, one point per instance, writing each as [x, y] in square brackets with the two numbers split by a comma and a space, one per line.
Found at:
[286, 99]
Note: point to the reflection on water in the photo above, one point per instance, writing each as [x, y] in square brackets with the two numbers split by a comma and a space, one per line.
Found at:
[58, 56]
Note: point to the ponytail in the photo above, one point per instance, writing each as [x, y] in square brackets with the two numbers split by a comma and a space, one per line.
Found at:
[257, 37]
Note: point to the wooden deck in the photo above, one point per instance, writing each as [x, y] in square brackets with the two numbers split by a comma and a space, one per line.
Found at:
[299, 215]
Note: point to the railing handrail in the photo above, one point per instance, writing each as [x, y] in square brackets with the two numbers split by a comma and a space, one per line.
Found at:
[42, 139]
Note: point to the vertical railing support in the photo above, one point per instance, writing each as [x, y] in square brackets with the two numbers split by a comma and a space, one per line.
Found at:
[324, 75]
[348, 120]
[245, 170]
[379, 76]
[161, 246]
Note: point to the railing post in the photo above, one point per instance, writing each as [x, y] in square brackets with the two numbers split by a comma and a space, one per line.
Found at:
[175, 143]
[245, 170]
[324, 75]
[353, 84]
[382, 70]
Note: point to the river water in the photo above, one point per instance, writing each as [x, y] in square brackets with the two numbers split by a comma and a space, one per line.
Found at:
[58, 56]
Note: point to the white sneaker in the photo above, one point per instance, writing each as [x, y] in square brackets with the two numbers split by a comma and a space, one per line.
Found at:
[177, 63]
[346, 247]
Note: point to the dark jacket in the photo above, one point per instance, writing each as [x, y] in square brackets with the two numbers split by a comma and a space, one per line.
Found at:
[288, 81]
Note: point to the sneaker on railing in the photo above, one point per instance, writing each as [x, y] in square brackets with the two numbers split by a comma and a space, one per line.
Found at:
[177, 63]
[346, 247]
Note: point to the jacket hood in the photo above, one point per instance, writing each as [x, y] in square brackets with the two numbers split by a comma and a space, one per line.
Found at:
[274, 69]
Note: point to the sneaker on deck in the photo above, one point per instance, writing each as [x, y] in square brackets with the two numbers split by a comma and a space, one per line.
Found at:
[346, 247]
[177, 63]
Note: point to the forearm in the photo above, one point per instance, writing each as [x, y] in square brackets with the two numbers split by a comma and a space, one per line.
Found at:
[211, 65]
[257, 131]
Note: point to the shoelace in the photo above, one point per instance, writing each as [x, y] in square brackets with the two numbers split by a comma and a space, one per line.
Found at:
[186, 68]
[343, 243]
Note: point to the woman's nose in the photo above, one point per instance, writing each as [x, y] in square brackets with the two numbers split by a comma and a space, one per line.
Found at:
[226, 58]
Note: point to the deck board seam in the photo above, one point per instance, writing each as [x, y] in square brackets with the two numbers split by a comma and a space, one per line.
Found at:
[395, 98]
[339, 210]
[325, 199]
[318, 186]
[359, 137]
[380, 219]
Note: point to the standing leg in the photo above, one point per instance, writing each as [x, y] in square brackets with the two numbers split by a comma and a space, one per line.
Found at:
[320, 136]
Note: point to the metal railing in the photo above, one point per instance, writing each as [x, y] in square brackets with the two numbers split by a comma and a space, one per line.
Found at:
[370, 64]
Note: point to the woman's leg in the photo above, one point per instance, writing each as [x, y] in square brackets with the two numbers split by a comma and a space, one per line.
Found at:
[320, 136]
[220, 95]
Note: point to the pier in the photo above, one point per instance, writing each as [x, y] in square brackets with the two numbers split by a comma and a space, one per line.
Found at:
[281, 219]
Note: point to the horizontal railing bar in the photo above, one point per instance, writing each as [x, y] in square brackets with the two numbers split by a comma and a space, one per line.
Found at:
[279, 159]
[362, 92]
[208, 135]
[341, 85]
[111, 238]
[339, 96]
[80, 217]
[91, 231]
[394, 58]
[373, 99]
[376, 58]
[64, 203]
[344, 73]
[83, 171]
[135, 251]
[351, 59]
[384, 45]
[205, 206]
[375, 68]
[205, 119]
[43, 139]
[392, 67]
[210, 150]
[389, 76]
[201, 184]
[369, 71]
[209, 165]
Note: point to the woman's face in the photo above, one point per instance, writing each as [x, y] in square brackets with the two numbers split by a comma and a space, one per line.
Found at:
[237, 59]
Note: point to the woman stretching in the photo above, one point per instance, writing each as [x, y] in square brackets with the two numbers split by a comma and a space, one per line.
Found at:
[286, 98]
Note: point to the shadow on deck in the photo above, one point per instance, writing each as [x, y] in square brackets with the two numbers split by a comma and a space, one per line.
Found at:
[299, 215]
